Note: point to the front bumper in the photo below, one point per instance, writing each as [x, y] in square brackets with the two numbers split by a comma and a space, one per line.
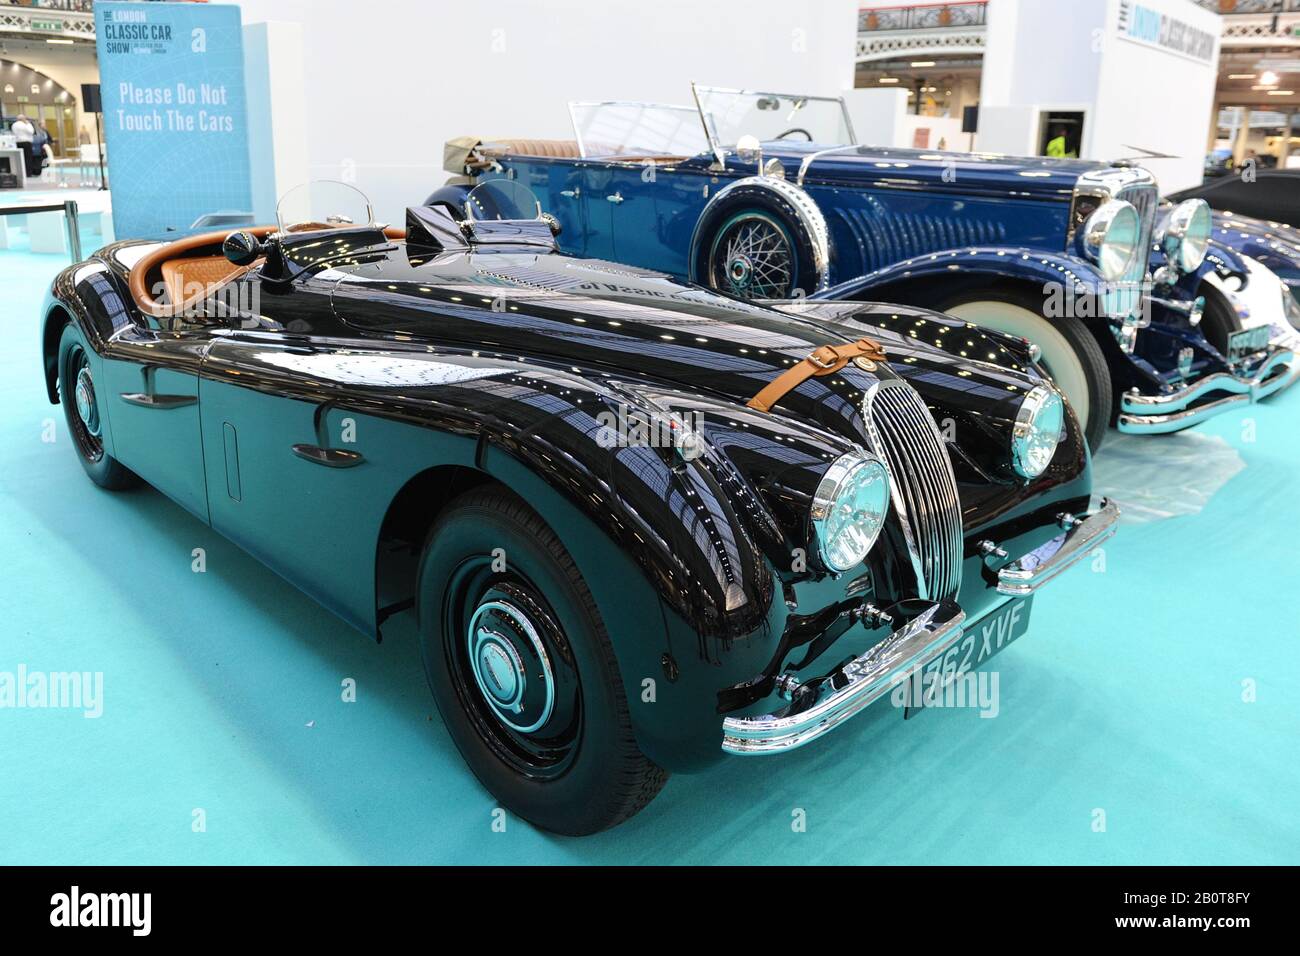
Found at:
[1179, 409]
[909, 649]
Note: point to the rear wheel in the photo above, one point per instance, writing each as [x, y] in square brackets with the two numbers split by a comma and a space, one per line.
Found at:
[1070, 355]
[523, 672]
[83, 410]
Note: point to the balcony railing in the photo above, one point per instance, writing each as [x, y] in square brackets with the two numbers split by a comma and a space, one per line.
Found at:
[70, 19]
[923, 16]
[1230, 7]
[74, 6]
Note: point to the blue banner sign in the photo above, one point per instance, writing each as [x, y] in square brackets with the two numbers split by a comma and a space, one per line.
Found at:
[172, 82]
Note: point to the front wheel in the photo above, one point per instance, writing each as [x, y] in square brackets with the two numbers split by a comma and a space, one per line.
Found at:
[751, 244]
[523, 672]
[1220, 319]
[83, 409]
[1070, 356]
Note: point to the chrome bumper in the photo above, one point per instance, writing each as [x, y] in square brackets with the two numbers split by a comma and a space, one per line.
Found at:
[869, 678]
[1157, 414]
[912, 647]
[1031, 572]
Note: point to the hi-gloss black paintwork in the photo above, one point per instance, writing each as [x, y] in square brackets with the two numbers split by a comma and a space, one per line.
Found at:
[451, 364]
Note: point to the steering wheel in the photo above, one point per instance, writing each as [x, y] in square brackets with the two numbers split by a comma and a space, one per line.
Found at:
[795, 129]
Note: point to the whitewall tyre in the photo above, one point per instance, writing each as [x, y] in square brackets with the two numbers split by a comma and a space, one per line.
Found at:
[1070, 355]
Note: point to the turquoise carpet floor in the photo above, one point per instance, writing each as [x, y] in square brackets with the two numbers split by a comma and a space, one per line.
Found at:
[1127, 732]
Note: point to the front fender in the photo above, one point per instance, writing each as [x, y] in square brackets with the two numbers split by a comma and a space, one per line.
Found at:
[659, 539]
[970, 267]
[791, 200]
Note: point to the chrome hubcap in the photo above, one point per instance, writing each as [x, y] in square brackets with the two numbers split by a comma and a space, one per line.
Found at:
[87, 409]
[511, 667]
[758, 260]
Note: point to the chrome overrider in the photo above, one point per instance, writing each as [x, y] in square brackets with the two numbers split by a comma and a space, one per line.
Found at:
[1176, 409]
[914, 645]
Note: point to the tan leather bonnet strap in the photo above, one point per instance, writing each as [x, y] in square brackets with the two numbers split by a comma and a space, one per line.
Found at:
[826, 360]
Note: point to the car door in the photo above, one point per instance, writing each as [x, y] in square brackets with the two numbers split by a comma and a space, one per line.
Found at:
[561, 187]
[653, 210]
[151, 387]
[261, 425]
[301, 466]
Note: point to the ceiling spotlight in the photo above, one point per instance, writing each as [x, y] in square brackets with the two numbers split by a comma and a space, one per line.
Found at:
[922, 63]
[889, 79]
[1268, 78]
[1281, 92]
[1241, 76]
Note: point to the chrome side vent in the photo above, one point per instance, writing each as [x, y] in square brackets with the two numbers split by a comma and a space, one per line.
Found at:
[922, 485]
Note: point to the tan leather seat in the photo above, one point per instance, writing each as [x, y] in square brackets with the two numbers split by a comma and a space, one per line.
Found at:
[190, 280]
[550, 148]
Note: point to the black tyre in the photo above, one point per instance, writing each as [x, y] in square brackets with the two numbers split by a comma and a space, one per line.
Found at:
[1070, 353]
[1220, 319]
[523, 672]
[751, 244]
[83, 408]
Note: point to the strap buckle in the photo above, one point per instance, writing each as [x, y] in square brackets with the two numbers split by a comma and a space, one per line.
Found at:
[824, 357]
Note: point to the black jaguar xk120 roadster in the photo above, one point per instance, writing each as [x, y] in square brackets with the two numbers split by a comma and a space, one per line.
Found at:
[642, 525]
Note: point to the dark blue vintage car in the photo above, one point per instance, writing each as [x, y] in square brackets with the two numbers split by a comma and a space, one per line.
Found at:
[759, 196]
[1274, 245]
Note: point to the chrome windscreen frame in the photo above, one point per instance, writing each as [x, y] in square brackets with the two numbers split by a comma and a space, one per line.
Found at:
[720, 151]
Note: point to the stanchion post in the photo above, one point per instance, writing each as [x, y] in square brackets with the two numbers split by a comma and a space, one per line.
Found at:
[71, 222]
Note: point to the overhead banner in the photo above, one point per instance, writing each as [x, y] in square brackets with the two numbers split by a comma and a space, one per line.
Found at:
[172, 76]
[1142, 24]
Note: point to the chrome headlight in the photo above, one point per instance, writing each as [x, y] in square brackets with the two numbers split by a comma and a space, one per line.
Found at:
[1037, 431]
[1110, 238]
[849, 509]
[1186, 235]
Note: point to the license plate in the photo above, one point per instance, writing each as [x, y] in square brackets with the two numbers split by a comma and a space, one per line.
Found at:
[979, 642]
[1247, 342]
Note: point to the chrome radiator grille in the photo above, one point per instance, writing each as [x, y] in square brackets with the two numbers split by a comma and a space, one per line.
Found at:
[1124, 298]
[1145, 198]
[922, 485]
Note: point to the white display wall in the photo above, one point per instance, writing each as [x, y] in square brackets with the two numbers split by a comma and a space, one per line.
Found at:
[1048, 55]
[384, 84]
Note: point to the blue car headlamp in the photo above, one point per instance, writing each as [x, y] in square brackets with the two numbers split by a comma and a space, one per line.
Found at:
[1186, 234]
[1111, 238]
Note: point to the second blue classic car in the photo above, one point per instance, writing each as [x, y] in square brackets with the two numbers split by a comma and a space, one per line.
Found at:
[762, 196]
